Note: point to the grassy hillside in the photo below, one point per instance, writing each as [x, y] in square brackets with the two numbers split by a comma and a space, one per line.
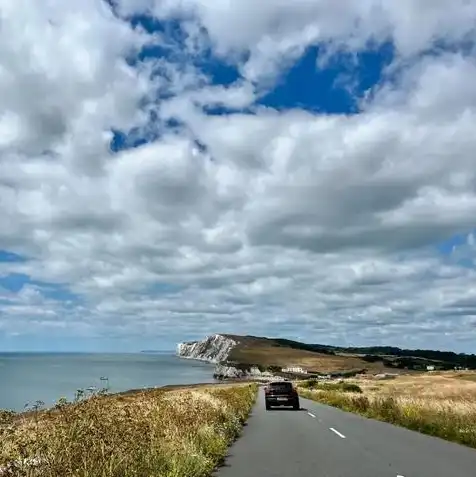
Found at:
[323, 358]
[269, 353]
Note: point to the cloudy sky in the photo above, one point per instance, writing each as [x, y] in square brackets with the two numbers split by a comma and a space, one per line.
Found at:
[170, 169]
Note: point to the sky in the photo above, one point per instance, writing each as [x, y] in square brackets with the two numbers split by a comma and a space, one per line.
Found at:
[172, 169]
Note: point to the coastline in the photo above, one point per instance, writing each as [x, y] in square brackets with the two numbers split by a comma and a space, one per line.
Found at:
[29, 380]
[131, 392]
[211, 381]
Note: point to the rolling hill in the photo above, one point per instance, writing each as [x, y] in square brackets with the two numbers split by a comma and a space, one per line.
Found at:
[277, 352]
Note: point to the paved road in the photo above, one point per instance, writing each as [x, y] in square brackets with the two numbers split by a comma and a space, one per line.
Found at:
[322, 441]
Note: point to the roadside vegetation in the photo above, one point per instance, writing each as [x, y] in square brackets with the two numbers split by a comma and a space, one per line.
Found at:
[345, 387]
[178, 432]
[440, 404]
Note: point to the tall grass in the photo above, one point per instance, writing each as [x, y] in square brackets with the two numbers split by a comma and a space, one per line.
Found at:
[313, 384]
[452, 417]
[152, 433]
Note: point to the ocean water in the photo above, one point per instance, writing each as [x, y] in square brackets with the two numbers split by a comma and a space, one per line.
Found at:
[28, 377]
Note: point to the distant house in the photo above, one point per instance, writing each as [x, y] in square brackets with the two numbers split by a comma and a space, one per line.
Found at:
[294, 369]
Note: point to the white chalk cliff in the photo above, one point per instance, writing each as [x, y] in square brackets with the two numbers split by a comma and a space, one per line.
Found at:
[213, 349]
[216, 349]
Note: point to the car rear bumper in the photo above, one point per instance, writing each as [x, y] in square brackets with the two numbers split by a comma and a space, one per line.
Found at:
[281, 401]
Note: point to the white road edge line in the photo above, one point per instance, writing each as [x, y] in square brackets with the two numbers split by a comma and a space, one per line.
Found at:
[312, 415]
[337, 432]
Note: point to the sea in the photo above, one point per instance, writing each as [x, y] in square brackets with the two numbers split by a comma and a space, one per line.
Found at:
[26, 378]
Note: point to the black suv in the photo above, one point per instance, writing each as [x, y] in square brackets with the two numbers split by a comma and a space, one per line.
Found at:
[281, 393]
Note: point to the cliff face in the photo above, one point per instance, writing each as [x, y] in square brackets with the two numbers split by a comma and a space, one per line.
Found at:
[216, 349]
[213, 349]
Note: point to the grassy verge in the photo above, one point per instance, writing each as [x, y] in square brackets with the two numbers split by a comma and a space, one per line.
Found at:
[451, 416]
[168, 433]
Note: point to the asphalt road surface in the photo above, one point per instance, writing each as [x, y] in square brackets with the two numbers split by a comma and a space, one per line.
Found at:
[321, 441]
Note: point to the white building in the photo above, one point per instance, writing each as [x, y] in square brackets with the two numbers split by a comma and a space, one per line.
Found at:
[294, 369]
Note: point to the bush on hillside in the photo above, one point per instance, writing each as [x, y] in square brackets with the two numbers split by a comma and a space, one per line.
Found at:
[342, 387]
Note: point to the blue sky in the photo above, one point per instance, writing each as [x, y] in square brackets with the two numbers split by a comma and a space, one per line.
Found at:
[61, 285]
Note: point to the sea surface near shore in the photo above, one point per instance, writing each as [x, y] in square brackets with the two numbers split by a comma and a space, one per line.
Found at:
[29, 377]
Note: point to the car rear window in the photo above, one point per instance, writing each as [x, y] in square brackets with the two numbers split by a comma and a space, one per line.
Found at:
[283, 386]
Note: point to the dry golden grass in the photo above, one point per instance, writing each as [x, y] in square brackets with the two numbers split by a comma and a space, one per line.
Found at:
[441, 404]
[438, 386]
[152, 433]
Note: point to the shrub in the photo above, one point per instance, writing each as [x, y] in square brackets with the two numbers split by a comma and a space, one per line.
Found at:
[308, 384]
[343, 386]
[6, 416]
[351, 388]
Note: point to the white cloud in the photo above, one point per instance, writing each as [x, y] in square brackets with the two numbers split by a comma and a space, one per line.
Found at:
[316, 226]
[276, 32]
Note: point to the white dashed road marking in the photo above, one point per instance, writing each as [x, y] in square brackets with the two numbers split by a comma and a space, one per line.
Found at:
[312, 415]
[337, 432]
